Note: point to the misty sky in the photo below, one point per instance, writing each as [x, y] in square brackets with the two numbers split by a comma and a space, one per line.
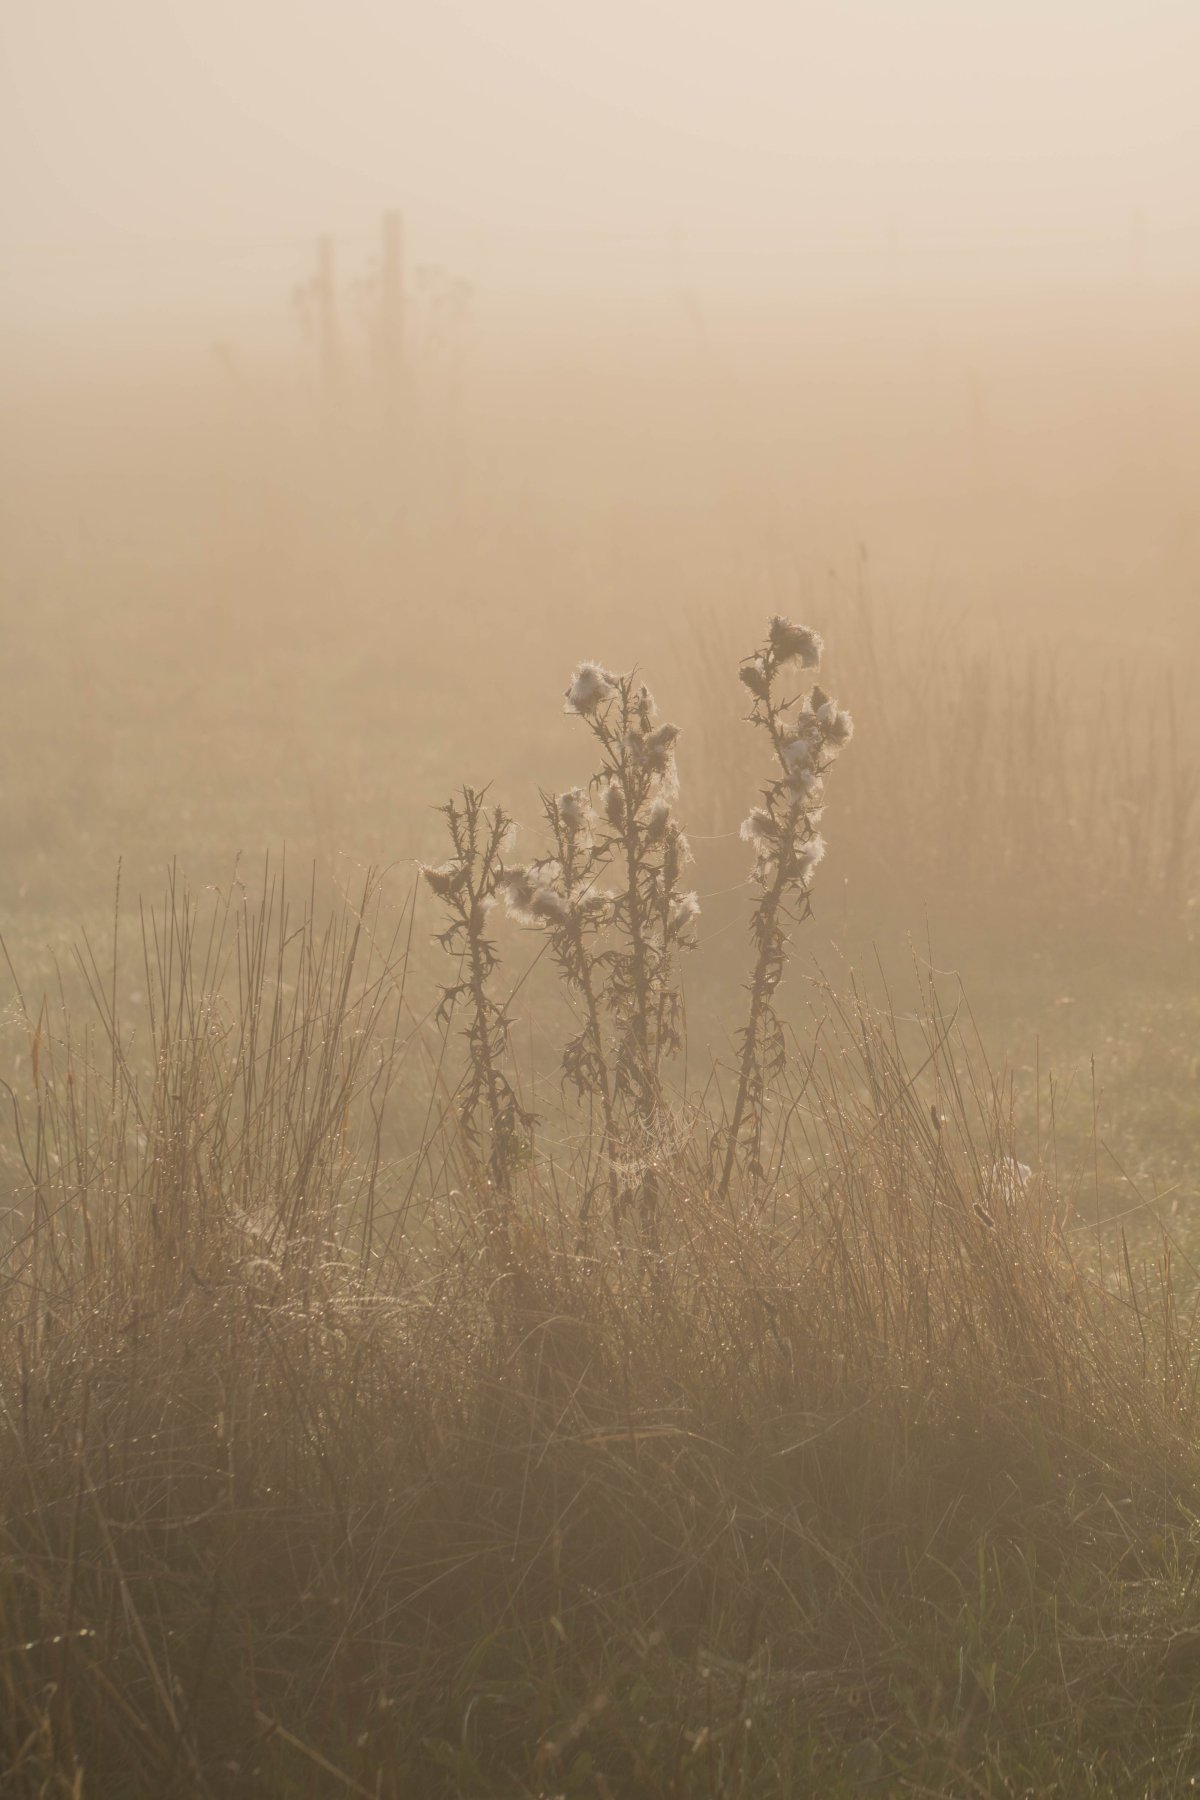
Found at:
[174, 148]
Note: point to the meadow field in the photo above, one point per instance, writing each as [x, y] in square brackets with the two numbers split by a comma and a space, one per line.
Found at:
[582, 1293]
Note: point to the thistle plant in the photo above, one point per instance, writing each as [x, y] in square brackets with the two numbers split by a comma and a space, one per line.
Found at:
[467, 885]
[807, 732]
[636, 783]
[616, 947]
[559, 894]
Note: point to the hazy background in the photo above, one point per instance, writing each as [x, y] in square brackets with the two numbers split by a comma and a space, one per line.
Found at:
[165, 163]
[884, 315]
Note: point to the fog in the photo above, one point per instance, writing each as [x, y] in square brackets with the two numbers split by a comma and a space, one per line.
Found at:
[599, 898]
[164, 164]
[693, 313]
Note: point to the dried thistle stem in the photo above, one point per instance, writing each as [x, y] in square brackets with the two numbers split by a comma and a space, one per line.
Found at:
[467, 887]
[806, 733]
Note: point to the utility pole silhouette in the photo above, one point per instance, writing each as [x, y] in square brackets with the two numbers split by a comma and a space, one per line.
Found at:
[328, 349]
[392, 375]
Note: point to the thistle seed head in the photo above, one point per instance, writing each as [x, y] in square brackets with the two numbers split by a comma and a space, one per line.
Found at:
[676, 853]
[590, 687]
[759, 827]
[685, 911]
[789, 642]
[529, 900]
[658, 747]
[548, 907]
[753, 675]
[797, 755]
[804, 784]
[519, 888]
[444, 878]
[657, 820]
[573, 810]
[839, 729]
[807, 857]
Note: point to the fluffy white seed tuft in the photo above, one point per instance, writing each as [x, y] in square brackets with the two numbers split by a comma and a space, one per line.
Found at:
[685, 911]
[573, 810]
[612, 804]
[590, 687]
